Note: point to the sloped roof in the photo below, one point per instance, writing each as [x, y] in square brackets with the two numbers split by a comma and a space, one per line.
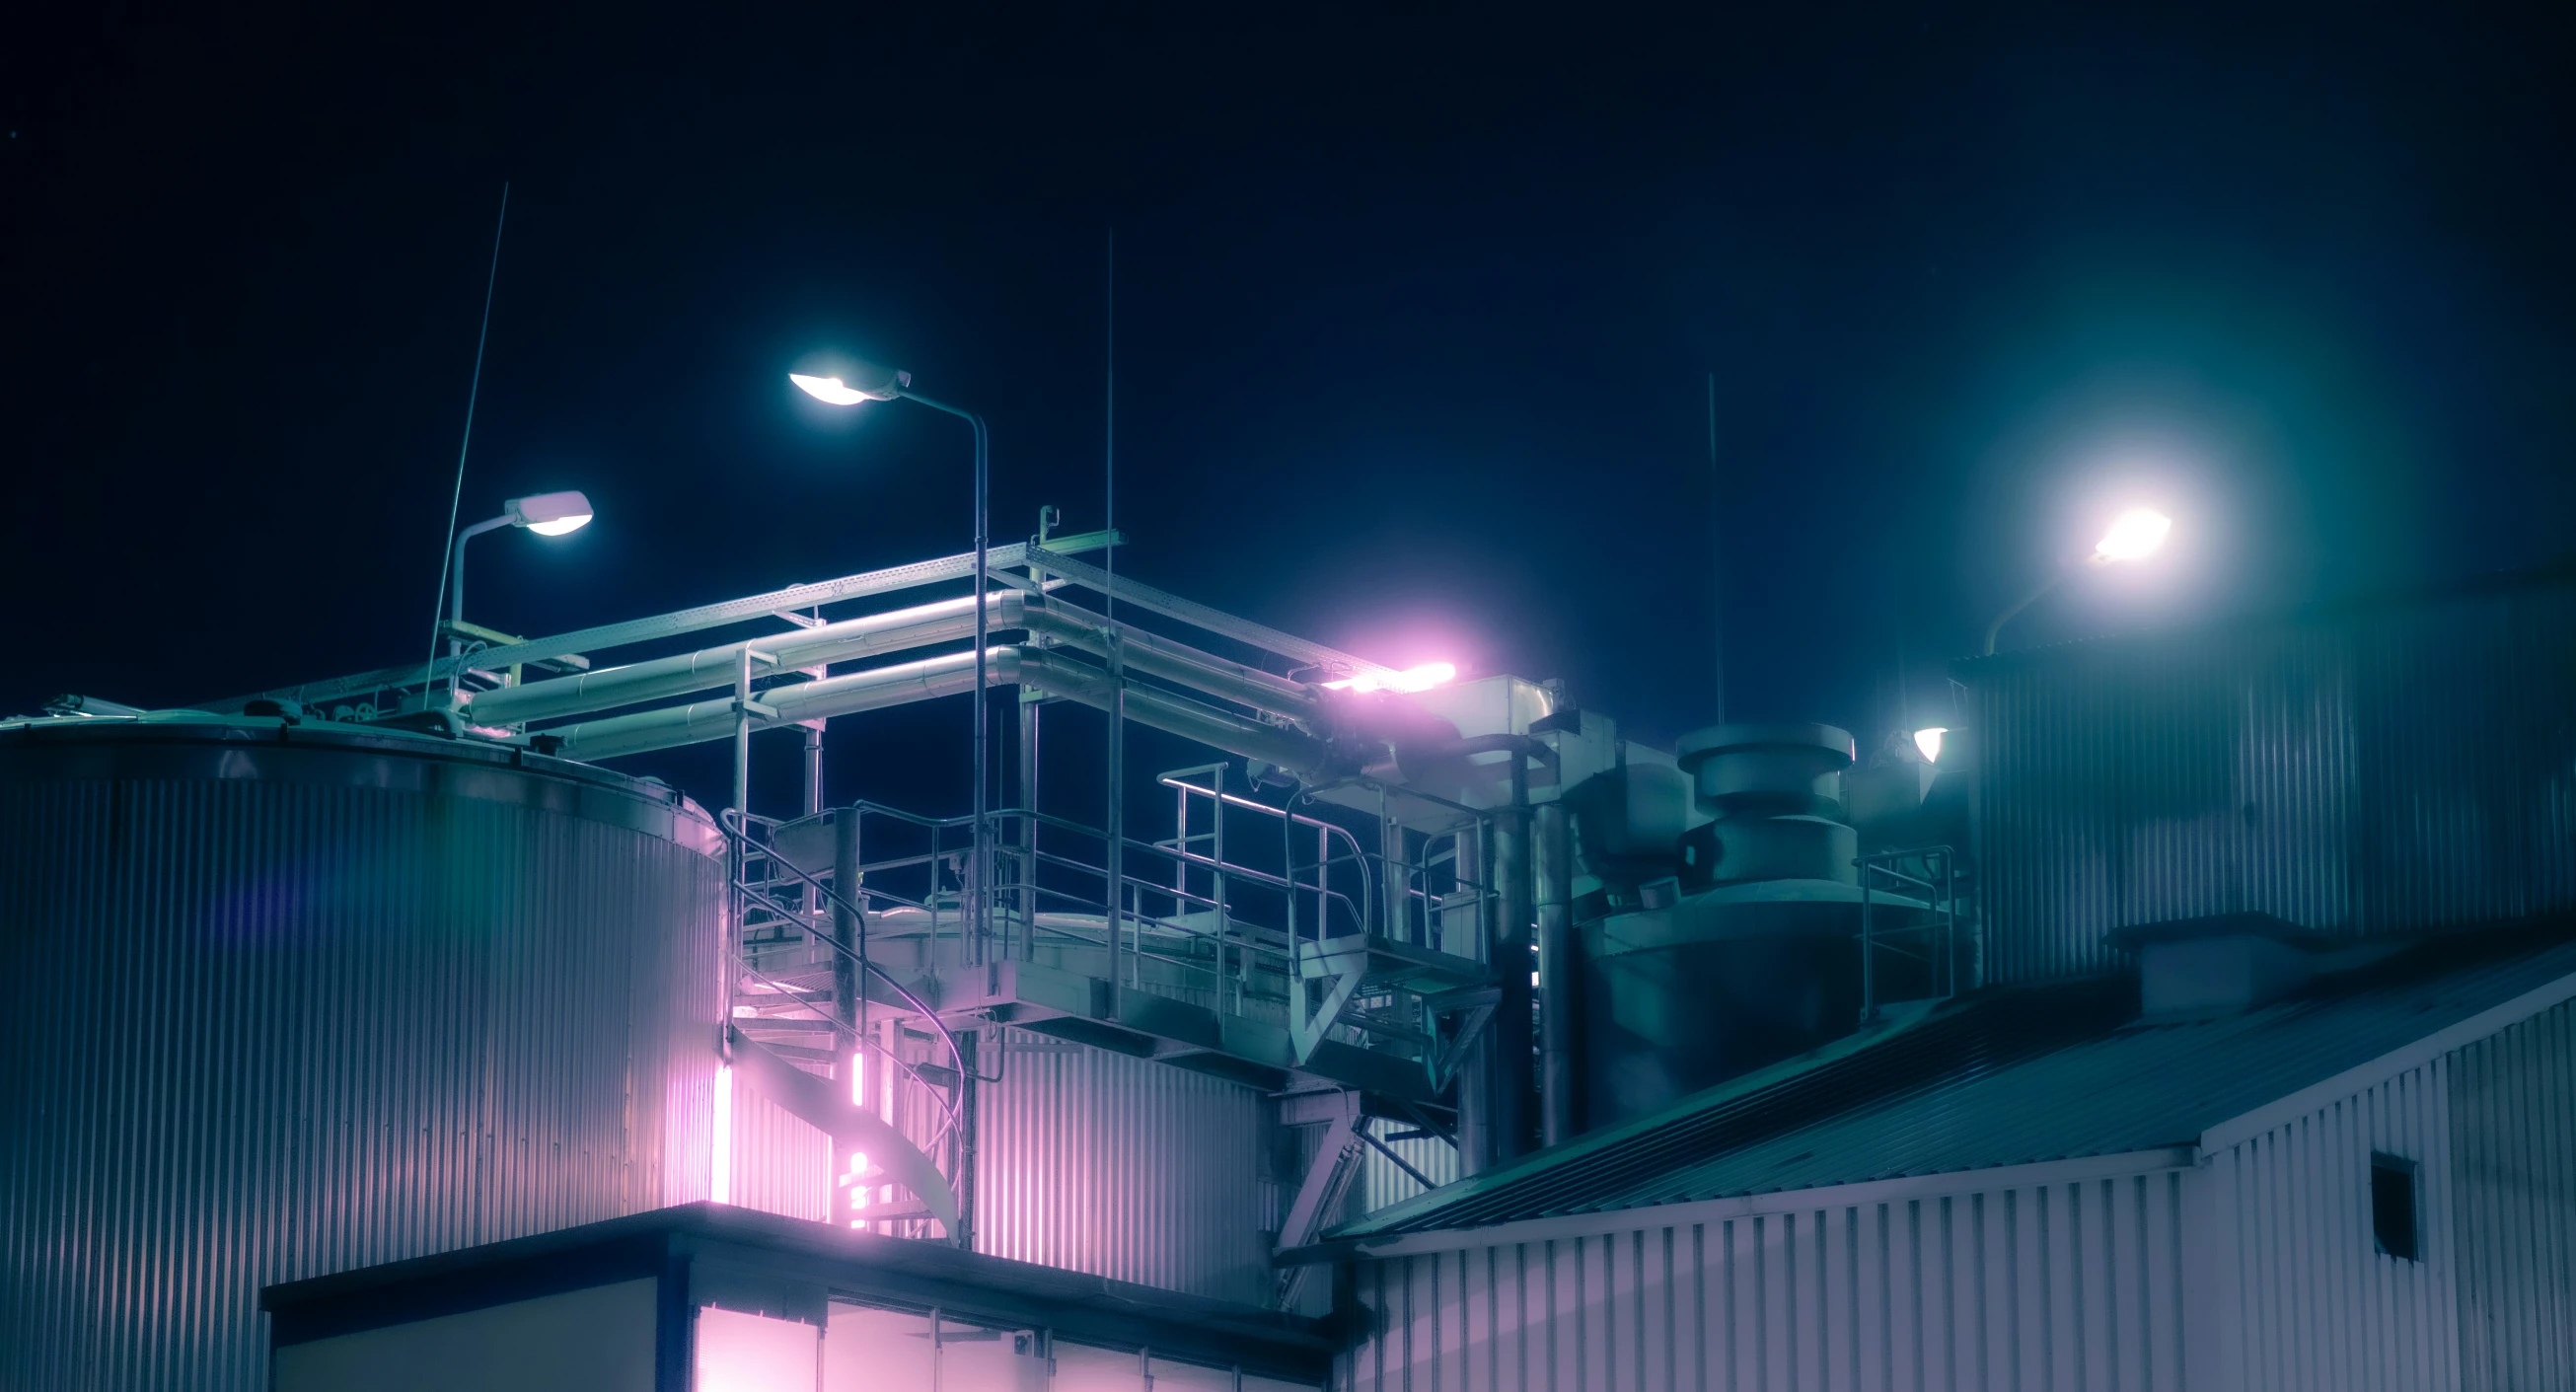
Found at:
[2009, 1076]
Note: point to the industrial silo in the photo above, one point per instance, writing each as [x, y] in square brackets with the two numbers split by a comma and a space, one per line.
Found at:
[286, 998]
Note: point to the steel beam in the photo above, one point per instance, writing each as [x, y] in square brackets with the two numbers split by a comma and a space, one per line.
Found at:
[672, 625]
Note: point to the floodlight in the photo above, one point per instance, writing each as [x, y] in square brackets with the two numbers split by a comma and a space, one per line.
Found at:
[550, 514]
[862, 382]
[2134, 535]
[1928, 740]
[1411, 679]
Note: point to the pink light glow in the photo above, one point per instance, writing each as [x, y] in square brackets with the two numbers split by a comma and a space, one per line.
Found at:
[1411, 679]
[720, 1161]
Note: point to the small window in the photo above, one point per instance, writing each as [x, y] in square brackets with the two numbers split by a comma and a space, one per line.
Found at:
[2392, 1207]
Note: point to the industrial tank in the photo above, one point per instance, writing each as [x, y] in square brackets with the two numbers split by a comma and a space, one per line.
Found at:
[1754, 955]
[281, 999]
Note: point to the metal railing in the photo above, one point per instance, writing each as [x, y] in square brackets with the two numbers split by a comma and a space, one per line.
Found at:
[1922, 884]
[1222, 912]
[755, 995]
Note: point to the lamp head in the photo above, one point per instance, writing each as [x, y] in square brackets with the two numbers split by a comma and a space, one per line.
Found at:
[853, 384]
[2134, 535]
[550, 514]
[1927, 742]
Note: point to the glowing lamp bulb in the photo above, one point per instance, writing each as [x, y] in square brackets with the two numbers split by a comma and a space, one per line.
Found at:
[831, 391]
[2134, 535]
[1928, 741]
[1411, 679]
[551, 514]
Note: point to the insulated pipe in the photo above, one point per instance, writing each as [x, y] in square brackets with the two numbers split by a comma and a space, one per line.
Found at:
[1505, 1066]
[1297, 753]
[1176, 662]
[1474, 1130]
[1560, 976]
[868, 636]
[928, 679]
[695, 723]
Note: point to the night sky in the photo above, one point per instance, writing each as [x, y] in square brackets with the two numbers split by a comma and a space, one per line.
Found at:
[1415, 312]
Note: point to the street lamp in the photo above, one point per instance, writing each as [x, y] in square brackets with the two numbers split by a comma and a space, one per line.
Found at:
[2133, 536]
[864, 382]
[546, 514]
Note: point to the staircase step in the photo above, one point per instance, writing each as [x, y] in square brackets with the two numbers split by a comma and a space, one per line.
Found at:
[783, 1024]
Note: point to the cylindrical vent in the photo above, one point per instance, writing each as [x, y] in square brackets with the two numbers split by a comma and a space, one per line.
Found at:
[1760, 958]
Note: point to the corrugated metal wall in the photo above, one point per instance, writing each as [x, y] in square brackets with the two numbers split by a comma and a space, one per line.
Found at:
[289, 1011]
[2513, 1169]
[1124, 1168]
[2297, 1294]
[1380, 1181]
[2058, 1286]
[2378, 772]
[781, 1163]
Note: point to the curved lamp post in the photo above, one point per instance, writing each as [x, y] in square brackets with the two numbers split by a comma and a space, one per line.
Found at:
[546, 514]
[2134, 536]
[865, 382]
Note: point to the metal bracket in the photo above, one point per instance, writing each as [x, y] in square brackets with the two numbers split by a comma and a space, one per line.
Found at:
[1307, 1025]
[1478, 1011]
[1327, 1179]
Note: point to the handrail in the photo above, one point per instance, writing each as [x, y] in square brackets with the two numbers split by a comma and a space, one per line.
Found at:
[947, 1107]
[726, 821]
[955, 1054]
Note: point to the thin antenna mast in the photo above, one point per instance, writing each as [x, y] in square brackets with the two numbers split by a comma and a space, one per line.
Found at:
[1716, 581]
[474, 389]
[1117, 671]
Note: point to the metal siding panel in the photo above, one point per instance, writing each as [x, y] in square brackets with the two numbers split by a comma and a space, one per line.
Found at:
[1124, 1168]
[2319, 1307]
[2365, 774]
[782, 1164]
[270, 1022]
[2045, 1287]
[2513, 1131]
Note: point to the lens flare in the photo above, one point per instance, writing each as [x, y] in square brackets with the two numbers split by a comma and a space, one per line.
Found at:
[1411, 679]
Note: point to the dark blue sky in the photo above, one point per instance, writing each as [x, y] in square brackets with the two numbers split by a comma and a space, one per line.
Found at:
[1415, 310]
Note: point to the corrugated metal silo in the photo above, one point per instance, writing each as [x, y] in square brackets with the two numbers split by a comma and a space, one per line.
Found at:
[2374, 771]
[283, 1000]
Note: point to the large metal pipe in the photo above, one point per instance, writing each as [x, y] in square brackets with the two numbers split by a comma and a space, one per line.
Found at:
[1505, 1067]
[1297, 753]
[1560, 976]
[928, 679]
[1180, 663]
[1475, 1127]
[898, 630]
[874, 689]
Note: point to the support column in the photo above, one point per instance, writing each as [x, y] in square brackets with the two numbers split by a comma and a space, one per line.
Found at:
[813, 767]
[848, 1002]
[1396, 880]
[1560, 977]
[1472, 927]
[1028, 878]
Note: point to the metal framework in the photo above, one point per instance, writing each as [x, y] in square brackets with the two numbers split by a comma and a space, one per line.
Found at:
[1299, 946]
